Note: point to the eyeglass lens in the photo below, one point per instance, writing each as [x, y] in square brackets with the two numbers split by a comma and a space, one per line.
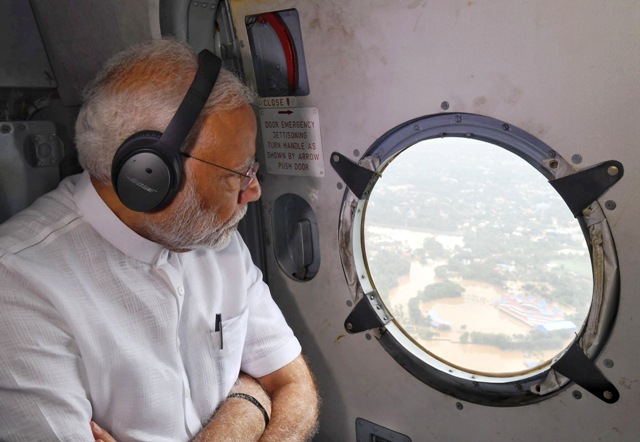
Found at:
[250, 175]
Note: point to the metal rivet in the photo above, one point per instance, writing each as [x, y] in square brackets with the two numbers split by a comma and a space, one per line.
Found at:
[612, 170]
[458, 118]
[459, 405]
[349, 303]
[610, 205]
[444, 105]
[607, 395]
[384, 318]
[505, 126]
[377, 307]
[553, 164]
[339, 186]
[368, 336]
[576, 394]
[336, 158]
[552, 154]
[608, 363]
[349, 326]
[576, 159]
[356, 153]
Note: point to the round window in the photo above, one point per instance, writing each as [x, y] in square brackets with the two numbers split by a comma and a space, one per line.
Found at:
[477, 271]
[476, 256]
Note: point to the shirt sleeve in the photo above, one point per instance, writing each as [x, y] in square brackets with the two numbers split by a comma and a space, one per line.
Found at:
[42, 381]
[270, 343]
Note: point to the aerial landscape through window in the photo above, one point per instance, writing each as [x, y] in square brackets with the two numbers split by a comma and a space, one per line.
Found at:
[476, 256]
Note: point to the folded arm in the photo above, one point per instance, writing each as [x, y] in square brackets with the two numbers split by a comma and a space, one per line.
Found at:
[289, 397]
[294, 403]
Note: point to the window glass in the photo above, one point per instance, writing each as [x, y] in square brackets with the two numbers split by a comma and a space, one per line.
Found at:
[476, 256]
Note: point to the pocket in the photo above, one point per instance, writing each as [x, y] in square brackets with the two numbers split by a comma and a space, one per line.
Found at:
[225, 349]
[231, 336]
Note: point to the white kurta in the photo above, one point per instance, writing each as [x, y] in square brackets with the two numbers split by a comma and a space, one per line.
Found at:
[99, 323]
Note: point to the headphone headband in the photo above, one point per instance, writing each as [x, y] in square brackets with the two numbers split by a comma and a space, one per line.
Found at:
[185, 117]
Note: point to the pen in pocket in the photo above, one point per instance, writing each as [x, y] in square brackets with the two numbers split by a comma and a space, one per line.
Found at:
[218, 328]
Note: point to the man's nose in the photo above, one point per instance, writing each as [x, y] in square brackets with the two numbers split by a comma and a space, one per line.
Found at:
[251, 193]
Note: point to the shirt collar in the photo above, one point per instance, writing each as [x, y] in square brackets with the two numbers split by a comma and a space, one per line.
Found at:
[109, 226]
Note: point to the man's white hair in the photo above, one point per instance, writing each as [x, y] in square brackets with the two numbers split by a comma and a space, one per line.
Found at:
[140, 89]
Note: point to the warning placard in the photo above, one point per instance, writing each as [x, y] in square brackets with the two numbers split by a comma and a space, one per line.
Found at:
[277, 102]
[291, 140]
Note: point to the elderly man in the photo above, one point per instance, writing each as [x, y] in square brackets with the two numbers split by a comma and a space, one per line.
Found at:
[139, 313]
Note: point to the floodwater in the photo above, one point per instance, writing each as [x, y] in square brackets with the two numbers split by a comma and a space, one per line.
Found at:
[474, 311]
[413, 239]
[486, 358]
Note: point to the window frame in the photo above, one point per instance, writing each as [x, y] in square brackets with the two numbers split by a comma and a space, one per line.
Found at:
[525, 387]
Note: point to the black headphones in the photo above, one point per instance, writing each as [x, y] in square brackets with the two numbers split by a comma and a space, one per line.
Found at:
[146, 171]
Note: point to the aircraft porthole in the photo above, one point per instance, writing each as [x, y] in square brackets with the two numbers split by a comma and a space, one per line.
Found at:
[476, 259]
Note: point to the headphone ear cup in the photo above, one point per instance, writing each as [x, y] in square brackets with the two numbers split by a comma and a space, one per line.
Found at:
[145, 174]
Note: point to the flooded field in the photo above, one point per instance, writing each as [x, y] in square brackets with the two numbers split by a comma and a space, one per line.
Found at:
[475, 311]
[454, 320]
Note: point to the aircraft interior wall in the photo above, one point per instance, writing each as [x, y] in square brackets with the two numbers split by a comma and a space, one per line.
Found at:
[563, 72]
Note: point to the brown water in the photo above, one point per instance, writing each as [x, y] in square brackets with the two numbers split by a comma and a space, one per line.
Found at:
[474, 311]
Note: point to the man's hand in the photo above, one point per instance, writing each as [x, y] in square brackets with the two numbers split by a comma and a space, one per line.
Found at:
[99, 434]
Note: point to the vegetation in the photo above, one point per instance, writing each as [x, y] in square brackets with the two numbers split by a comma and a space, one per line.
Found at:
[390, 266]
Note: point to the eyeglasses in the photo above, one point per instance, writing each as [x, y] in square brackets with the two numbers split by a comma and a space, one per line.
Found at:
[247, 177]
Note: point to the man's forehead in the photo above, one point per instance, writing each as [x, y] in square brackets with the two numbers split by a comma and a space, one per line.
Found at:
[229, 131]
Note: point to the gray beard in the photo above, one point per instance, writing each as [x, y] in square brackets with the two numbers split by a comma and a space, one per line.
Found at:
[192, 226]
